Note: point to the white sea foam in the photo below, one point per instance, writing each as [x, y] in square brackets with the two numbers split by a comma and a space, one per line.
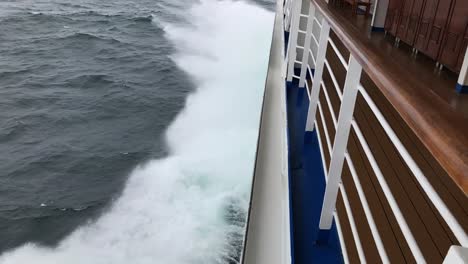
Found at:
[174, 210]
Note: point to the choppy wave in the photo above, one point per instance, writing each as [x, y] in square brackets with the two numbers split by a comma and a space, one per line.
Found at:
[43, 210]
[87, 80]
[147, 19]
[75, 16]
[189, 207]
[79, 36]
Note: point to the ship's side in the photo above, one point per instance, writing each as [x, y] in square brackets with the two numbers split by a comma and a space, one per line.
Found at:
[269, 227]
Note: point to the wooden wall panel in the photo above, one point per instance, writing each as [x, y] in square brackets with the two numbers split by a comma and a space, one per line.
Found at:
[454, 42]
[413, 22]
[393, 16]
[432, 27]
[404, 18]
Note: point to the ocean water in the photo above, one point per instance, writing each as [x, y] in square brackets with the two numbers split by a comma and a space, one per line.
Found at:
[128, 128]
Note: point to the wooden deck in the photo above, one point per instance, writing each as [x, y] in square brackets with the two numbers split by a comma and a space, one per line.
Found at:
[428, 227]
[441, 83]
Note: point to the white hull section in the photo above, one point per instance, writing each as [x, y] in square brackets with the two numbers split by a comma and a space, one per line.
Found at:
[268, 231]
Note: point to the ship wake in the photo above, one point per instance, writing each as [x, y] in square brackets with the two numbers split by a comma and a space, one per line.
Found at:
[189, 207]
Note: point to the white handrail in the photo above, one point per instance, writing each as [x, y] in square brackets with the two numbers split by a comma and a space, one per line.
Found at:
[342, 123]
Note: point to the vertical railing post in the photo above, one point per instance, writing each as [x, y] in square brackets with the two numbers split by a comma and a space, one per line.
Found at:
[456, 254]
[319, 64]
[308, 37]
[343, 128]
[295, 18]
[462, 84]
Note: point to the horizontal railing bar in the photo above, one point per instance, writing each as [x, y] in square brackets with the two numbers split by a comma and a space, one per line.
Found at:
[312, 56]
[413, 245]
[367, 211]
[444, 211]
[330, 107]
[303, 15]
[301, 31]
[352, 223]
[325, 128]
[335, 82]
[316, 21]
[310, 72]
[341, 238]
[324, 164]
[338, 53]
[315, 39]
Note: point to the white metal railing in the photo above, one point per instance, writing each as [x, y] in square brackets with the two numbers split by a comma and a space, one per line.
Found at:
[343, 123]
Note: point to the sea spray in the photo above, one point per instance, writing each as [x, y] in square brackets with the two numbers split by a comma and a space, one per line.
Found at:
[190, 206]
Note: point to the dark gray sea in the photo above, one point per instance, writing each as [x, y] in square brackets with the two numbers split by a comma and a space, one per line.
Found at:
[88, 89]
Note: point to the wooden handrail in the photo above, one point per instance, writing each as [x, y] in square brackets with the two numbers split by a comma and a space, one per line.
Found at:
[442, 130]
